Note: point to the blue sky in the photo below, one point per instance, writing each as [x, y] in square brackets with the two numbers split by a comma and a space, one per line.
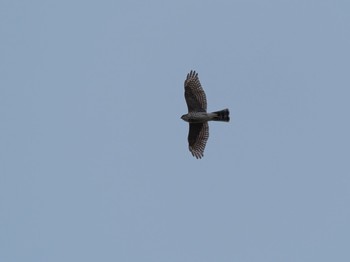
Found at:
[94, 163]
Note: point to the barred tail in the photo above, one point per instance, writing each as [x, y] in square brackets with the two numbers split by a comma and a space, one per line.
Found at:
[223, 115]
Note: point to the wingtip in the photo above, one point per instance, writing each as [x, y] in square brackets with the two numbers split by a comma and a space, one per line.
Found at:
[197, 155]
[192, 73]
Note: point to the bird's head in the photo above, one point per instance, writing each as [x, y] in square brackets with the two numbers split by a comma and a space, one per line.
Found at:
[185, 117]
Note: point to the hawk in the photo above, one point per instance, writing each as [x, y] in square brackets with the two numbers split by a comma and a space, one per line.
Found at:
[197, 116]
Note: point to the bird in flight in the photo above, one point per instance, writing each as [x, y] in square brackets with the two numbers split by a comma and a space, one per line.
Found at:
[197, 115]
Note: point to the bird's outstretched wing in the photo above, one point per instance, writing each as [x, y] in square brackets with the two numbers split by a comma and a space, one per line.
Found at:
[194, 93]
[197, 138]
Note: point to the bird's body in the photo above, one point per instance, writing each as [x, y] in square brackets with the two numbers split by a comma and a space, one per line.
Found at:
[201, 117]
[197, 115]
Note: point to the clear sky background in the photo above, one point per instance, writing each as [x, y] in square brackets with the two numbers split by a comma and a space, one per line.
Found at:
[94, 162]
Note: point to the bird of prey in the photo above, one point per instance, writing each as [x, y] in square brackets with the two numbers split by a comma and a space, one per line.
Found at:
[197, 115]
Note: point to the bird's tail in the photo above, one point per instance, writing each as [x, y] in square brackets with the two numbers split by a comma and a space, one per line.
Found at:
[222, 115]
